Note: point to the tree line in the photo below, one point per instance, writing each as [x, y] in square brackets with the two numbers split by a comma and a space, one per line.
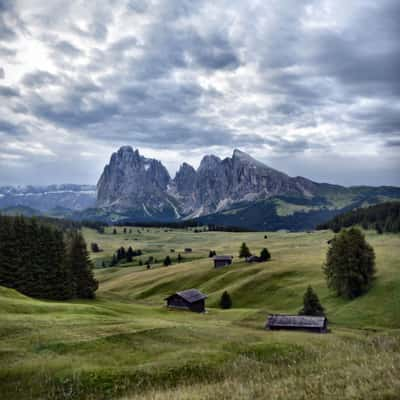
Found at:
[383, 217]
[40, 260]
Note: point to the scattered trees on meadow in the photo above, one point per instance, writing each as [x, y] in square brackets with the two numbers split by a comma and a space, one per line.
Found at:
[226, 301]
[350, 264]
[311, 304]
[40, 261]
[95, 248]
[212, 253]
[244, 251]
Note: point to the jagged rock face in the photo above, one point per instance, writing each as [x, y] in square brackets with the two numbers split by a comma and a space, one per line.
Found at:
[132, 181]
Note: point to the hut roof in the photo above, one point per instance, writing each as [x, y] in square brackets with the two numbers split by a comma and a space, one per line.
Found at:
[190, 295]
[223, 258]
[296, 321]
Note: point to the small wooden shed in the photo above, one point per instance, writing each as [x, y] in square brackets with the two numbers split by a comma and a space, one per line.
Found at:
[188, 250]
[297, 322]
[191, 299]
[222, 261]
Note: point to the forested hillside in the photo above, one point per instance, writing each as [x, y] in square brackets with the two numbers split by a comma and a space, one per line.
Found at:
[382, 217]
[42, 261]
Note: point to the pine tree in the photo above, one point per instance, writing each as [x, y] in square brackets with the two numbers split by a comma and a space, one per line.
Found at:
[265, 254]
[244, 251]
[311, 304]
[114, 261]
[167, 261]
[350, 264]
[180, 258]
[114, 231]
[81, 267]
[130, 254]
[226, 301]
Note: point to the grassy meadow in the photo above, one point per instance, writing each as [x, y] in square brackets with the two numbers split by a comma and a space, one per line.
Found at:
[127, 345]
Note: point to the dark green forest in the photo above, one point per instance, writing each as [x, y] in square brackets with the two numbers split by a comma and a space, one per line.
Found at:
[383, 217]
[43, 261]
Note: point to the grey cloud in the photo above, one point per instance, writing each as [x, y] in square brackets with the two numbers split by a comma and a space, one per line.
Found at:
[7, 91]
[38, 79]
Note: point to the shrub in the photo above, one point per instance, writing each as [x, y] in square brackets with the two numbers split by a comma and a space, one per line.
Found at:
[265, 254]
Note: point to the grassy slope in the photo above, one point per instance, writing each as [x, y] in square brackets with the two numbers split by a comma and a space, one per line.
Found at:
[127, 344]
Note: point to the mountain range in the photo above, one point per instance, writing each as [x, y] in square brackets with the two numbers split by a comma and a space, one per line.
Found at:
[236, 191]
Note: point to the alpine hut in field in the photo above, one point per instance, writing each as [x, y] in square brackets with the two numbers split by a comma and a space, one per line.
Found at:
[297, 322]
[222, 261]
[191, 299]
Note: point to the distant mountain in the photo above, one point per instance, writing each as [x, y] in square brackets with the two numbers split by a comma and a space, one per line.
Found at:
[47, 198]
[236, 191]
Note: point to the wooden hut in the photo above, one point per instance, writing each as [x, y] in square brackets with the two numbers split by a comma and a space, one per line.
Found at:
[191, 299]
[254, 259]
[222, 261]
[188, 250]
[297, 322]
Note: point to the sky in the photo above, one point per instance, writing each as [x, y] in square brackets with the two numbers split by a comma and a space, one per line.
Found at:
[311, 88]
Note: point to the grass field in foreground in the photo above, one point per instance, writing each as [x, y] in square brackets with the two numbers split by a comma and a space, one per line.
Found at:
[126, 345]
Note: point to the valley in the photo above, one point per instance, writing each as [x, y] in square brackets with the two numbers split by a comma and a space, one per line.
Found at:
[127, 345]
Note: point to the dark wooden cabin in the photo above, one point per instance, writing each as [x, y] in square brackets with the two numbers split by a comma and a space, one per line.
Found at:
[254, 259]
[222, 261]
[297, 322]
[191, 299]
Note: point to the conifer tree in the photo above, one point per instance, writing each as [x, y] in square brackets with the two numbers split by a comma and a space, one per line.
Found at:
[350, 264]
[167, 261]
[130, 254]
[226, 301]
[244, 251]
[81, 267]
[265, 254]
[311, 304]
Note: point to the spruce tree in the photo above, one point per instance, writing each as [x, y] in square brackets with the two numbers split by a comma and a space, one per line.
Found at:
[265, 254]
[167, 261]
[226, 301]
[350, 264]
[130, 254]
[244, 251]
[81, 267]
[311, 304]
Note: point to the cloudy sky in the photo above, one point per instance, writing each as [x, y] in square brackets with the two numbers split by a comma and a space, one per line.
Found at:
[309, 87]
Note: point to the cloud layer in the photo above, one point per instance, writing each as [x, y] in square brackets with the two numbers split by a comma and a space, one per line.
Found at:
[303, 86]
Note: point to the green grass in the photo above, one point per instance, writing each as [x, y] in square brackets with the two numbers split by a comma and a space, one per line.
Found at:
[127, 345]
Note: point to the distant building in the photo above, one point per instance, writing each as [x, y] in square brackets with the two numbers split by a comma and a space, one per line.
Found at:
[191, 299]
[253, 259]
[222, 261]
[297, 322]
[188, 250]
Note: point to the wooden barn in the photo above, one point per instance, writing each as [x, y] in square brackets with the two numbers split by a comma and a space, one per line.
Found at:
[254, 259]
[191, 299]
[297, 322]
[222, 261]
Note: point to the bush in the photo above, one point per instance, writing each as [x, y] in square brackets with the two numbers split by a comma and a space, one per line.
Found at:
[311, 304]
[226, 301]
[350, 264]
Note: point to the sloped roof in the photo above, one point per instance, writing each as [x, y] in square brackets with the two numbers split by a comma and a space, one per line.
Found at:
[223, 258]
[191, 295]
[296, 321]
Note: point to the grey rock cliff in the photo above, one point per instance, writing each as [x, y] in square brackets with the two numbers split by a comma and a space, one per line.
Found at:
[132, 181]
